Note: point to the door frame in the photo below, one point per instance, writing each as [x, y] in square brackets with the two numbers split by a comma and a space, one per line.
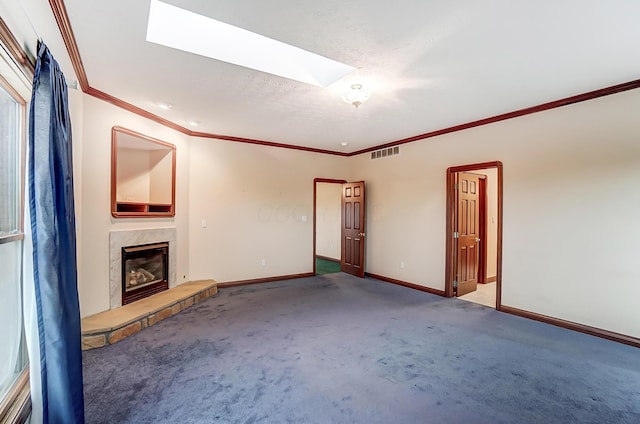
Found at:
[482, 230]
[315, 185]
[450, 266]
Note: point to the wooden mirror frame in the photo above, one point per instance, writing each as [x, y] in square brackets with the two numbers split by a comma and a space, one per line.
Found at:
[134, 209]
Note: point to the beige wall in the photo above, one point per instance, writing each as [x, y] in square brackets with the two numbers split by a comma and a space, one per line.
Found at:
[257, 203]
[405, 214]
[328, 219]
[98, 119]
[571, 232]
[254, 200]
[570, 194]
[559, 170]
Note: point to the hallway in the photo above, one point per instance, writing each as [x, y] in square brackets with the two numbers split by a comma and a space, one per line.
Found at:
[484, 295]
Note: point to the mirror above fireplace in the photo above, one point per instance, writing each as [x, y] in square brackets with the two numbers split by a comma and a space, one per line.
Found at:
[143, 176]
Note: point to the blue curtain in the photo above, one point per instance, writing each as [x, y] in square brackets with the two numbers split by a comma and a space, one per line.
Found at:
[51, 207]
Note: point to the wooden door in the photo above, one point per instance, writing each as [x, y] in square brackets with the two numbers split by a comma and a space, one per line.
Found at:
[468, 228]
[353, 228]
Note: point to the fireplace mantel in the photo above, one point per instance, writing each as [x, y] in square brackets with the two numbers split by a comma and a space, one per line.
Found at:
[122, 238]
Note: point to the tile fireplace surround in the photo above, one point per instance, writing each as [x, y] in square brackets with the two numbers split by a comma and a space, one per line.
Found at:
[121, 238]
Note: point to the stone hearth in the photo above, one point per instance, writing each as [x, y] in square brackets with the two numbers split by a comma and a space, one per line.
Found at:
[111, 326]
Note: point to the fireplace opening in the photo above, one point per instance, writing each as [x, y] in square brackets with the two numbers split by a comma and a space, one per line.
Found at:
[144, 271]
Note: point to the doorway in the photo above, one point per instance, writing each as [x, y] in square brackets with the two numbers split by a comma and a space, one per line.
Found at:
[327, 200]
[474, 233]
[338, 226]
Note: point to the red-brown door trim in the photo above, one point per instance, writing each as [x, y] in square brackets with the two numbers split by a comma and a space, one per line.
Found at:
[449, 265]
[315, 185]
[482, 230]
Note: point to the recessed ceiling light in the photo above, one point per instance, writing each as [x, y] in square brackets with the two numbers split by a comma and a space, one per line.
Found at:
[164, 105]
[344, 144]
[194, 123]
[181, 29]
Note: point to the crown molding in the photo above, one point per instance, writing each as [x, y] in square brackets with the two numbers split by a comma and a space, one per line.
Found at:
[62, 19]
[135, 109]
[618, 88]
[268, 143]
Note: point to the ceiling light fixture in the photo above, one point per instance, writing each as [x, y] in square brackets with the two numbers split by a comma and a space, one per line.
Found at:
[344, 144]
[164, 105]
[194, 123]
[356, 95]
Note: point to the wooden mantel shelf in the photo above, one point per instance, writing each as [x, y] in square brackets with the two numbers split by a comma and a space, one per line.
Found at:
[140, 207]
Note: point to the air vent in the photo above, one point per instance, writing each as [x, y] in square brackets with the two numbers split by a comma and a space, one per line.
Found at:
[385, 153]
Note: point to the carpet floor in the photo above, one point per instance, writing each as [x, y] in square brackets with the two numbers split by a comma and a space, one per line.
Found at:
[338, 349]
[324, 266]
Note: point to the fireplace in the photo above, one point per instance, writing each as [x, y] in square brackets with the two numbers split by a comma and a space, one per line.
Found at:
[144, 270]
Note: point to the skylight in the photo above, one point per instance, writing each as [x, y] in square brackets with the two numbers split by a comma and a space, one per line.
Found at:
[181, 29]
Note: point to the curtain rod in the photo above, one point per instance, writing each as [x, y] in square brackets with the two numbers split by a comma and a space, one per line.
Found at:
[71, 84]
[26, 15]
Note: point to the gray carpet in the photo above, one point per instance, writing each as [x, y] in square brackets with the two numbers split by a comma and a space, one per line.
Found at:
[338, 349]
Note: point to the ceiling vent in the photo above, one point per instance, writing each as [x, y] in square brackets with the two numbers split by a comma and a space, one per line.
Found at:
[385, 153]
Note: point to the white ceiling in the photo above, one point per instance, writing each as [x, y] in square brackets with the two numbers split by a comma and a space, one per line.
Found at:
[430, 64]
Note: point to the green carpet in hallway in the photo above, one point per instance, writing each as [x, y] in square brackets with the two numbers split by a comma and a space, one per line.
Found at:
[324, 266]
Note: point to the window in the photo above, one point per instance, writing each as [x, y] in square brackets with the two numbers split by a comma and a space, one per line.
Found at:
[13, 358]
[13, 352]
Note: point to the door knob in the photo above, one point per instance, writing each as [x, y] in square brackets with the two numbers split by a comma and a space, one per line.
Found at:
[477, 240]
[361, 234]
